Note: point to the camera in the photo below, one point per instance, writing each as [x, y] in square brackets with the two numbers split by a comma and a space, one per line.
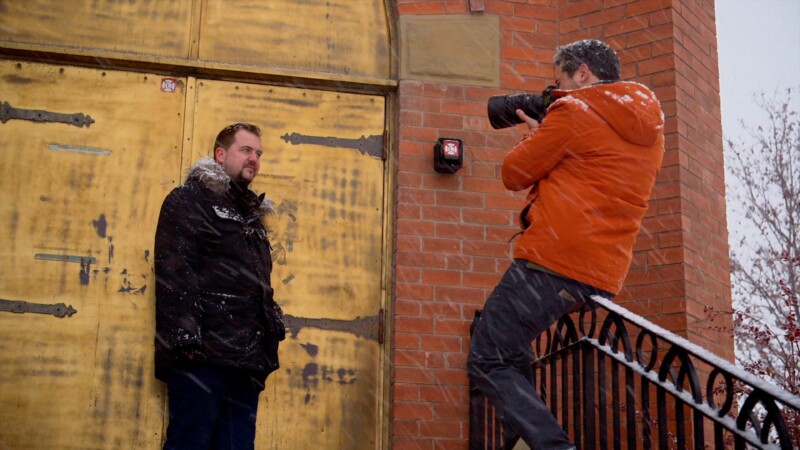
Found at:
[502, 109]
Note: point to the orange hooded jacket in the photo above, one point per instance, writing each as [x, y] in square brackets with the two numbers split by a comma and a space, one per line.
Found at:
[591, 166]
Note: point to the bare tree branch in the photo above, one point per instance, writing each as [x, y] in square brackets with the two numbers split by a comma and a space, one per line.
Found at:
[764, 184]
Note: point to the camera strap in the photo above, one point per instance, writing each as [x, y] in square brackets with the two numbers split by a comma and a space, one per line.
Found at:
[533, 194]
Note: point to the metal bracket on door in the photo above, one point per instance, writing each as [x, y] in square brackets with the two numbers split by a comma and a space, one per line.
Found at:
[8, 112]
[366, 145]
[367, 327]
[16, 306]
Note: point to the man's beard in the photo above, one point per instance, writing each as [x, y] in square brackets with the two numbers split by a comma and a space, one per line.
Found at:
[241, 177]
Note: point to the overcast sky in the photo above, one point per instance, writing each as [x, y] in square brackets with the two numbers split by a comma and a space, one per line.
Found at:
[759, 50]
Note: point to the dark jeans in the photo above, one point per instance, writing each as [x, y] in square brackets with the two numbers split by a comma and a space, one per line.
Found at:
[525, 303]
[211, 408]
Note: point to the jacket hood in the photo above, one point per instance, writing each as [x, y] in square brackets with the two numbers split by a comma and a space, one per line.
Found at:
[630, 108]
[212, 175]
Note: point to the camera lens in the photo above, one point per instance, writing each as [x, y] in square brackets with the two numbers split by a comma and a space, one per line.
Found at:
[502, 109]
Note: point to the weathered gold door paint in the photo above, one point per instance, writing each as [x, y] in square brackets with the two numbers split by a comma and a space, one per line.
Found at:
[319, 36]
[322, 166]
[78, 209]
[309, 39]
[142, 27]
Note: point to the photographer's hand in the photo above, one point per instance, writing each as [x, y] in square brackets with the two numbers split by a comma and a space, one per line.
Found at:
[532, 123]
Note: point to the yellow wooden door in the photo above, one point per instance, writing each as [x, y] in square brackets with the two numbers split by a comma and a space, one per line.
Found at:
[79, 203]
[323, 166]
[78, 209]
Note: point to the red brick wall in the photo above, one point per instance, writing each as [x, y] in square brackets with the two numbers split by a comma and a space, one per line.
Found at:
[702, 178]
[452, 231]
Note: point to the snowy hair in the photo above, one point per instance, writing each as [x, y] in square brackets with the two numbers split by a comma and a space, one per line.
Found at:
[597, 55]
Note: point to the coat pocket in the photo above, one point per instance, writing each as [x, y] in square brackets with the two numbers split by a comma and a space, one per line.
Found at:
[232, 325]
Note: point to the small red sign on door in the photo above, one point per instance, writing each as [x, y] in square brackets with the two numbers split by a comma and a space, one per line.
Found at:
[169, 85]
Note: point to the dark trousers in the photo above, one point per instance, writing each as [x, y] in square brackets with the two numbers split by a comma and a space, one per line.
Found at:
[211, 408]
[524, 304]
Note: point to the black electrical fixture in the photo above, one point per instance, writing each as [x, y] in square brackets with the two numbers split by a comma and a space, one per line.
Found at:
[448, 155]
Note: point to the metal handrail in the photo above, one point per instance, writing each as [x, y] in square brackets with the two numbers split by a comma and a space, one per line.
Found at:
[575, 362]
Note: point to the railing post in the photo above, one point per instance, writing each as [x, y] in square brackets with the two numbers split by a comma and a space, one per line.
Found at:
[477, 406]
[577, 392]
[630, 408]
[477, 413]
[589, 404]
[646, 443]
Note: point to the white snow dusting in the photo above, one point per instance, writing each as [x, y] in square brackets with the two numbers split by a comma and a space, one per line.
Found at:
[577, 102]
[623, 99]
[224, 213]
[699, 352]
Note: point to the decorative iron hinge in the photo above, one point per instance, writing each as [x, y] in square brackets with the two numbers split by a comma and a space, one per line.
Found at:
[17, 306]
[366, 327]
[366, 145]
[8, 112]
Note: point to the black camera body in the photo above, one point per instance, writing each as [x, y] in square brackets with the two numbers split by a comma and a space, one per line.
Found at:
[502, 109]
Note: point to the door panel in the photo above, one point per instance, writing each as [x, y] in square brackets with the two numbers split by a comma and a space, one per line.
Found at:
[78, 208]
[314, 36]
[133, 27]
[322, 167]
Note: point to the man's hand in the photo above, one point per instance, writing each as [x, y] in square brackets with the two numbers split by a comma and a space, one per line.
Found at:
[532, 123]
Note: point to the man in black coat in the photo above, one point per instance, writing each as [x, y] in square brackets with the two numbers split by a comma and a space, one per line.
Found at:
[217, 324]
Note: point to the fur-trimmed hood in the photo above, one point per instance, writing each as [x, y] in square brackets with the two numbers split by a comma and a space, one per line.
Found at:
[212, 175]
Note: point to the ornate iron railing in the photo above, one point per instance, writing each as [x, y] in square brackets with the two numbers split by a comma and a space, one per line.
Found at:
[616, 380]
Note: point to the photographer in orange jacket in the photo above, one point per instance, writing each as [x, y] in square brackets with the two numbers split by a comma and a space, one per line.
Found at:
[590, 166]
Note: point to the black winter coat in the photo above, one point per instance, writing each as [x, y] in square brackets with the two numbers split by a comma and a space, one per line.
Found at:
[214, 300]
